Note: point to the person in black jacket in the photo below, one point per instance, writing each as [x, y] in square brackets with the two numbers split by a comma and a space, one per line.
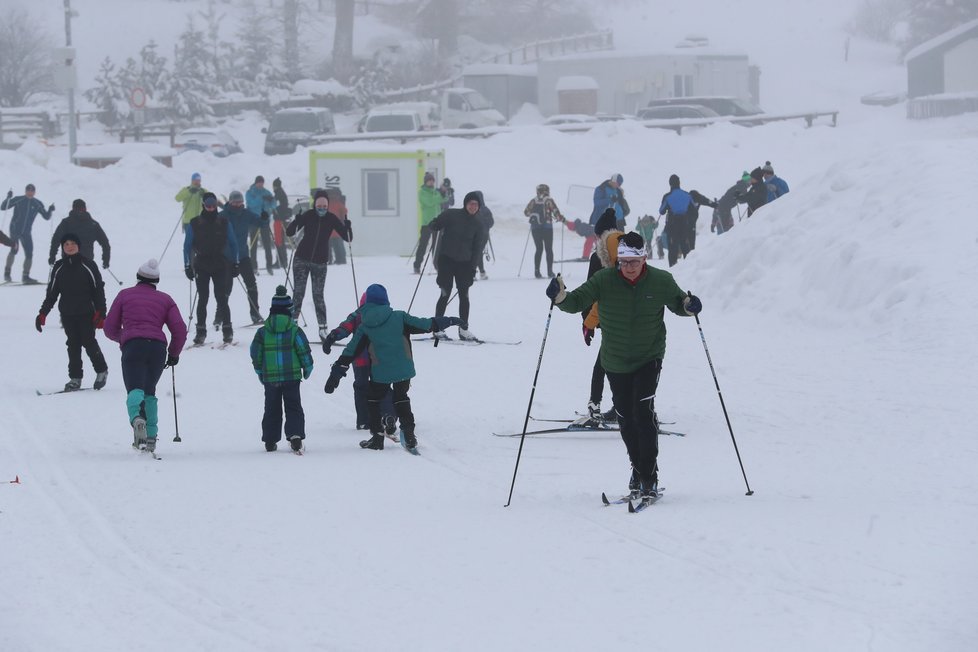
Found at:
[694, 214]
[76, 285]
[312, 254]
[210, 244]
[281, 215]
[756, 195]
[460, 244]
[81, 223]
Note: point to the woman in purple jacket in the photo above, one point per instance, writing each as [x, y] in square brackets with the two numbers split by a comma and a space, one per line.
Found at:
[136, 321]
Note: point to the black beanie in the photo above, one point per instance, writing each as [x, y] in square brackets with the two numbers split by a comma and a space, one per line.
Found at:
[757, 174]
[674, 181]
[281, 302]
[70, 236]
[606, 222]
[79, 206]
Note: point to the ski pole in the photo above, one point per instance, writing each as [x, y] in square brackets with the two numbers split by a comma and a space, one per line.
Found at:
[420, 276]
[244, 289]
[3, 220]
[413, 251]
[356, 292]
[525, 245]
[740, 216]
[491, 250]
[176, 423]
[193, 302]
[172, 233]
[533, 391]
[113, 276]
[726, 416]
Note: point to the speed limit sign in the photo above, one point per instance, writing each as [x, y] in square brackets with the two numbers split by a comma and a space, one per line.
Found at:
[137, 98]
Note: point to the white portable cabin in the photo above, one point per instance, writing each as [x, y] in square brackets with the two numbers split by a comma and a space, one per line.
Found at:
[381, 189]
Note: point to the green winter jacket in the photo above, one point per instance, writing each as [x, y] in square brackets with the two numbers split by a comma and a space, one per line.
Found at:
[192, 202]
[386, 334]
[430, 200]
[280, 351]
[632, 330]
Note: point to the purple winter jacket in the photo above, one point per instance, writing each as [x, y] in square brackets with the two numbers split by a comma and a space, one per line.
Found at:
[141, 311]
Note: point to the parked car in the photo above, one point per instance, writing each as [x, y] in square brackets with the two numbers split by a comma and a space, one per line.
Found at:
[569, 119]
[675, 111]
[391, 120]
[291, 128]
[216, 141]
[722, 105]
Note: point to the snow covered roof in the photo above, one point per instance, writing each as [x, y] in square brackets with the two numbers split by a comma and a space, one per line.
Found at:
[949, 37]
[576, 83]
[317, 87]
[514, 70]
[639, 53]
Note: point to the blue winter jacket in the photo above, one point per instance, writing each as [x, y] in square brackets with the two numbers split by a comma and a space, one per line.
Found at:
[259, 200]
[776, 186]
[607, 197]
[25, 210]
[676, 202]
[242, 222]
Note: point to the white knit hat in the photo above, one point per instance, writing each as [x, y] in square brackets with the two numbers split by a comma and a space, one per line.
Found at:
[149, 271]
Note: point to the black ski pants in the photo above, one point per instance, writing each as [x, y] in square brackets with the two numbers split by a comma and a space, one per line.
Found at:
[79, 334]
[634, 397]
[278, 395]
[361, 385]
[376, 392]
[422, 249]
[597, 381]
[220, 278]
[460, 274]
[543, 240]
[247, 276]
[265, 231]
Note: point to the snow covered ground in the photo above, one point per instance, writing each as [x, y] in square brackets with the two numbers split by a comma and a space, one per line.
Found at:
[840, 321]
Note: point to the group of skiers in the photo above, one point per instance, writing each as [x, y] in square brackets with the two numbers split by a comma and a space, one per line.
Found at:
[623, 296]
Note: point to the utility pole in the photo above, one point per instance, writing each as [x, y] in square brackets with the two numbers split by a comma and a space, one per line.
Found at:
[72, 136]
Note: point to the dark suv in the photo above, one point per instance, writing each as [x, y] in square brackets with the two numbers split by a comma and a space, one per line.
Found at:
[722, 105]
[290, 128]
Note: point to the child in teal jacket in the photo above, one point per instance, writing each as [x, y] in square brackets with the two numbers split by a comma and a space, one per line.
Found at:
[281, 357]
[386, 334]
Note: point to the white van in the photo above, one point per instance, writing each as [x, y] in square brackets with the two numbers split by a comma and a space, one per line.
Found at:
[464, 108]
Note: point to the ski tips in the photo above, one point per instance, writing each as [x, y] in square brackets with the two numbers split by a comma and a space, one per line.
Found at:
[604, 499]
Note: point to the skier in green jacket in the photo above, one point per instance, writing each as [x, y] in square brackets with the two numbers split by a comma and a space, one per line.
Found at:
[430, 200]
[192, 199]
[632, 300]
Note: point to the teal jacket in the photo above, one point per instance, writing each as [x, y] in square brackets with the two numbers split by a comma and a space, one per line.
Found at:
[386, 334]
[280, 351]
[632, 329]
[430, 201]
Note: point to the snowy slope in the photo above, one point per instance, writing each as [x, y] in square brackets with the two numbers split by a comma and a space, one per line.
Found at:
[839, 321]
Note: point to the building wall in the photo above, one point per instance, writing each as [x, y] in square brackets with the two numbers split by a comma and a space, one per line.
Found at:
[627, 83]
[925, 75]
[961, 67]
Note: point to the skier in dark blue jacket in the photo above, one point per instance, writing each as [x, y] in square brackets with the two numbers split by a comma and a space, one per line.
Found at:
[776, 186]
[26, 208]
[244, 222]
[676, 206]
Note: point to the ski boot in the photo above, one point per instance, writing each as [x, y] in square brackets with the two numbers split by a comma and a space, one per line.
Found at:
[150, 445]
[73, 384]
[323, 332]
[466, 335]
[227, 333]
[594, 411]
[200, 337]
[271, 446]
[295, 441]
[376, 442]
[100, 379]
[139, 433]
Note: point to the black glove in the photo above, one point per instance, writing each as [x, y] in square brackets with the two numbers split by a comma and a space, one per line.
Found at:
[193, 189]
[264, 216]
[189, 271]
[50, 209]
[349, 231]
[555, 290]
[10, 193]
[328, 343]
[105, 264]
[588, 335]
[39, 321]
[337, 372]
[51, 260]
[441, 323]
[235, 270]
[171, 360]
[534, 220]
[692, 305]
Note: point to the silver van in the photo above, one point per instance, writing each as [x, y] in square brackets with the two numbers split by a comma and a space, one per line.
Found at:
[291, 128]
